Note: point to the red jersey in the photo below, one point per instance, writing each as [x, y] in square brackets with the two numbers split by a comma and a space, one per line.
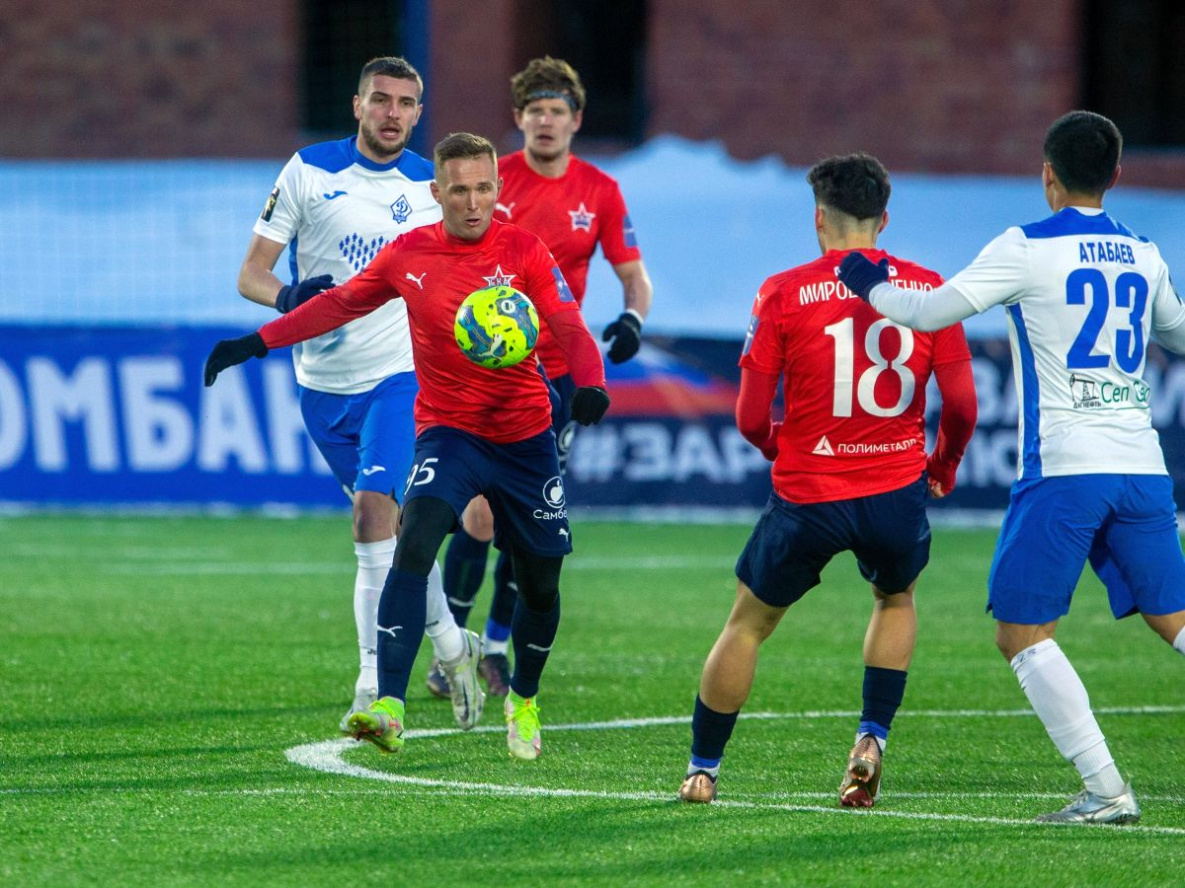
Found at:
[854, 382]
[571, 214]
[433, 272]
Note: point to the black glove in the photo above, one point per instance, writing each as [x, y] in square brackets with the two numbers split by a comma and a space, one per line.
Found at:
[292, 295]
[628, 332]
[229, 352]
[589, 403]
[860, 276]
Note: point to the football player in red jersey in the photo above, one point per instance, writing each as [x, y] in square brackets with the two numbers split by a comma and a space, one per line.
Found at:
[478, 430]
[850, 471]
[573, 207]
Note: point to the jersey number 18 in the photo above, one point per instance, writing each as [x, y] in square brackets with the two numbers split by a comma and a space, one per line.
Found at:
[845, 363]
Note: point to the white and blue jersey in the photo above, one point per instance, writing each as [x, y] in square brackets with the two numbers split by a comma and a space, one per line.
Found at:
[336, 209]
[1083, 295]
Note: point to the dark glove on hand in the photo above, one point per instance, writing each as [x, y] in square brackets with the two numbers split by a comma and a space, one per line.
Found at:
[626, 333]
[229, 352]
[860, 276]
[292, 295]
[589, 403]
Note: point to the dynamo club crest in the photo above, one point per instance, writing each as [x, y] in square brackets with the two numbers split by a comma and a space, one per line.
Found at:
[401, 209]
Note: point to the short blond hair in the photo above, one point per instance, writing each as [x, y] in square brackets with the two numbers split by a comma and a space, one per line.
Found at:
[456, 146]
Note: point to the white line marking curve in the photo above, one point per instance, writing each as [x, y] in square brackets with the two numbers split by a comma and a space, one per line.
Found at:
[326, 757]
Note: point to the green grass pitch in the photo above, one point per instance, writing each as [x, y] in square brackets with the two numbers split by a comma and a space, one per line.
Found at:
[171, 686]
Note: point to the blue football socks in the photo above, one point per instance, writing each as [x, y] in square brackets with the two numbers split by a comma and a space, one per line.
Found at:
[403, 611]
[533, 635]
[884, 689]
[710, 733]
[464, 569]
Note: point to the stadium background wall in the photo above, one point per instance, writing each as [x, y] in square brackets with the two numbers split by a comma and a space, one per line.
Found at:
[948, 86]
[139, 140]
[118, 416]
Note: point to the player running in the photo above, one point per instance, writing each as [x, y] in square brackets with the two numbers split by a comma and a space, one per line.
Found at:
[850, 471]
[336, 204]
[478, 430]
[1083, 296]
[572, 206]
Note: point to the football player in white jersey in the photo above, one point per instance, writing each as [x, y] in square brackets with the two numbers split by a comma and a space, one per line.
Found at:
[335, 205]
[1083, 295]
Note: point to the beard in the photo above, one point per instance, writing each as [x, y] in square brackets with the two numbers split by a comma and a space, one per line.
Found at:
[381, 148]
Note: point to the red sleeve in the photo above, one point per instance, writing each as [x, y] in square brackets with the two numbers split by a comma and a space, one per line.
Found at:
[950, 346]
[618, 241]
[545, 284]
[956, 423]
[330, 309]
[764, 350]
[753, 419]
[580, 350]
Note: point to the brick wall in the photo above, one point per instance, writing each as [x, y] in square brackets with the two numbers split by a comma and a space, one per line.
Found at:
[936, 85]
[926, 85]
[472, 60]
[939, 86]
[107, 78]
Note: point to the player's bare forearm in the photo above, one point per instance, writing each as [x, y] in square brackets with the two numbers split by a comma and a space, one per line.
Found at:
[257, 282]
[636, 290]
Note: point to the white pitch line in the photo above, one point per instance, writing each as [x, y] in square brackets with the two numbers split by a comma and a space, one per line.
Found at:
[661, 721]
[326, 757]
[253, 568]
[429, 790]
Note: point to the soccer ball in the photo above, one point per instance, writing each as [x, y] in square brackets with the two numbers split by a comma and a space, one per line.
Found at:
[496, 327]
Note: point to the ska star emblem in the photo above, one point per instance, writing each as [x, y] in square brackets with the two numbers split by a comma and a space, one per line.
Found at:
[499, 278]
[582, 219]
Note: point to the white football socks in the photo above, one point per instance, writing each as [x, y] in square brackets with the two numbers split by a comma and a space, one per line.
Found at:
[494, 647]
[1179, 644]
[1059, 698]
[881, 742]
[374, 562]
[448, 639]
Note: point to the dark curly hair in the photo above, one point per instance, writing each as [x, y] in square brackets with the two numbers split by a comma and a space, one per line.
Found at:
[546, 75]
[854, 184]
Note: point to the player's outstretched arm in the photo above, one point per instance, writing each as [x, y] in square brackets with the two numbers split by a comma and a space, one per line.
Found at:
[590, 400]
[230, 352]
[752, 412]
[860, 276]
[917, 309]
[956, 424]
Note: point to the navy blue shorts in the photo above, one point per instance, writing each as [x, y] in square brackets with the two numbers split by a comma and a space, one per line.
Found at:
[561, 416]
[521, 481]
[888, 533]
[1125, 525]
[366, 438]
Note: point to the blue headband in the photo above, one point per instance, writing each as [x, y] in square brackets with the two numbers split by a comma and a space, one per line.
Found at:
[551, 94]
